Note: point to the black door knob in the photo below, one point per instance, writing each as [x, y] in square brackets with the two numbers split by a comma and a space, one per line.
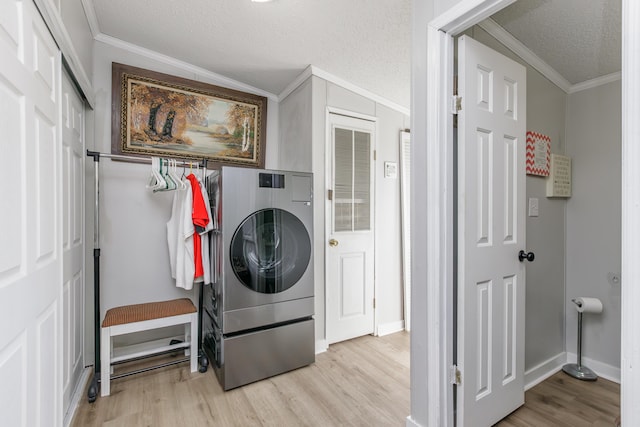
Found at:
[529, 256]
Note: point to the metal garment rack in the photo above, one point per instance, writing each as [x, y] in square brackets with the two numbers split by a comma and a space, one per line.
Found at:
[92, 393]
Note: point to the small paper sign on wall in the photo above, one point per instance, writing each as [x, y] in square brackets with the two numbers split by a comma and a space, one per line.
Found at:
[538, 154]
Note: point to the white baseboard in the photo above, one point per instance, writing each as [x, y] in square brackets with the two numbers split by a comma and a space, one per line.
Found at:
[77, 395]
[390, 328]
[541, 372]
[603, 370]
[321, 346]
[544, 370]
[411, 423]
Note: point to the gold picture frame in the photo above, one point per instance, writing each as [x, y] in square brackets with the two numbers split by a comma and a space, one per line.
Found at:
[155, 114]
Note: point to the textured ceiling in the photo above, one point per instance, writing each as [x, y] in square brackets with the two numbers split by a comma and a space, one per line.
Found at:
[267, 45]
[364, 42]
[580, 39]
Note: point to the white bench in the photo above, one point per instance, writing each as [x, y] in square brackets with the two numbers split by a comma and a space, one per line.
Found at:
[143, 317]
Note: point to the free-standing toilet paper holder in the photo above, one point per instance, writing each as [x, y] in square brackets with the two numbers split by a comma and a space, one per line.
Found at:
[576, 370]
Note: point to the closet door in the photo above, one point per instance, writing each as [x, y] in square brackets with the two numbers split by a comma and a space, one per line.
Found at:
[72, 236]
[30, 220]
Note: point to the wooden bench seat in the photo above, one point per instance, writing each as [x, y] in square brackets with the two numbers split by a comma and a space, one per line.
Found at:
[143, 317]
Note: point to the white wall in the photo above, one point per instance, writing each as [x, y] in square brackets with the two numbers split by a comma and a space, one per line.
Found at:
[134, 261]
[303, 145]
[593, 218]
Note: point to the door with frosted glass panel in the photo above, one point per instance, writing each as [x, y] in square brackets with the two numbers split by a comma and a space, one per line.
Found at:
[350, 239]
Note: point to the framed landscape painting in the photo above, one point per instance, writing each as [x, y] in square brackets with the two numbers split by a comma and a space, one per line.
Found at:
[155, 114]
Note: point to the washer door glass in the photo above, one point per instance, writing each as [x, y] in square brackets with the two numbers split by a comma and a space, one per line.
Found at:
[270, 251]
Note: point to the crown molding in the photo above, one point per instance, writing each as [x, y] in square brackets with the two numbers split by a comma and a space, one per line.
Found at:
[467, 13]
[315, 71]
[296, 83]
[513, 44]
[598, 81]
[92, 18]
[165, 59]
[360, 91]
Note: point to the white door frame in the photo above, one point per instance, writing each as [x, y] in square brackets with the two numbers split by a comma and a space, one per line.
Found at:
[439, 206]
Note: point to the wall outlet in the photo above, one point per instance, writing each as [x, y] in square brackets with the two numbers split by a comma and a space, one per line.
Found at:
[613, 278]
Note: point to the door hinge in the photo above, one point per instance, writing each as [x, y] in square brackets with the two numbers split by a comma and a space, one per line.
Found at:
[330, 194]
[455, 376]
[456, 104]
[374, 303]
[375, 155]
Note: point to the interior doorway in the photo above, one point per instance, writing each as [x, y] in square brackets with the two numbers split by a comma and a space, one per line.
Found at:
[440, 35]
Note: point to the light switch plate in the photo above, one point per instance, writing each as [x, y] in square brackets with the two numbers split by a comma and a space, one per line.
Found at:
[533, 206]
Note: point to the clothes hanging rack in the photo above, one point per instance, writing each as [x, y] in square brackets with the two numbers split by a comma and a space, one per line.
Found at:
[92, 392]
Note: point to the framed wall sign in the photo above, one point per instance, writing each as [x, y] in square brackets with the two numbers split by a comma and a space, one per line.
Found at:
[538, 154]
[559, 180]
[155, 114]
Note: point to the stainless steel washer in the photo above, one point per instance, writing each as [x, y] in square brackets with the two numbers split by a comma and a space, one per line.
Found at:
[258, 312]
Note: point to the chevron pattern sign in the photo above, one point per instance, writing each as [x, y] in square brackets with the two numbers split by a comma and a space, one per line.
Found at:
[538, 154]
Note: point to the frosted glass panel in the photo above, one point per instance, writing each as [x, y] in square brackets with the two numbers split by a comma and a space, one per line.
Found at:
[343, 180]
[362, 182]
[352, 180]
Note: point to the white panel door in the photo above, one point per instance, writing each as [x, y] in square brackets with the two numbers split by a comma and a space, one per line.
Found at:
[30, 220]
[350, 241]
[491, 232]
[72, 237]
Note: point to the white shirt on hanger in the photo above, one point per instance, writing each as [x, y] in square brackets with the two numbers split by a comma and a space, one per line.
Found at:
[180, 231]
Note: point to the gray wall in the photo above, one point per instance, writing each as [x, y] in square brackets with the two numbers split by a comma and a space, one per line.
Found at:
[75, 22]
[593, 218]
[388, 219]
[545, 316]
[303, 145]
[296, 129]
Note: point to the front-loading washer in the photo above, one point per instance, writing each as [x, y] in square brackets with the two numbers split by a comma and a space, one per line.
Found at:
[258, 312]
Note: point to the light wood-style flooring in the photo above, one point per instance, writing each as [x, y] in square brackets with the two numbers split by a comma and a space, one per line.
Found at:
[361, 382]
[562, 400]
